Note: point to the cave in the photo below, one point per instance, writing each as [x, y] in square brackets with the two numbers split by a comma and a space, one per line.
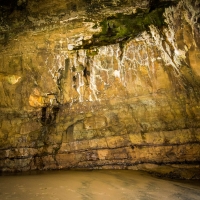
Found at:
[100, 86]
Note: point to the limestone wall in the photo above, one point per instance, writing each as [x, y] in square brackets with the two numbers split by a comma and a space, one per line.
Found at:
[132, 102]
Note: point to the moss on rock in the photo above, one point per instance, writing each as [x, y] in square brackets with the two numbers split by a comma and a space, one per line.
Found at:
[120, 27]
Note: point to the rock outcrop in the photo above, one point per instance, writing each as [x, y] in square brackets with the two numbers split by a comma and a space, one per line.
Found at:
[100, 85]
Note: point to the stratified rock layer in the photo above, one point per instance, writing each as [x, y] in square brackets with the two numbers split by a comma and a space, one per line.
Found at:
[72, 98]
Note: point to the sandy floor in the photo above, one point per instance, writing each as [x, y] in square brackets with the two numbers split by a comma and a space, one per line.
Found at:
[96, 185]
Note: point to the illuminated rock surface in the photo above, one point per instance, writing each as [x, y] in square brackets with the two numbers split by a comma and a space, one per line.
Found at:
[100, 85]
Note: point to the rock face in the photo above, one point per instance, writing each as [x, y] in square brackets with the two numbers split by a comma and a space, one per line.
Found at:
[100, 85]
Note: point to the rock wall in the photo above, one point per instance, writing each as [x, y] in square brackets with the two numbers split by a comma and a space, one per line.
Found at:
[81, 88]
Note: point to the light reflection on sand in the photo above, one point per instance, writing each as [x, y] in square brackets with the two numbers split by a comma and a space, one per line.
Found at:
[95, 185]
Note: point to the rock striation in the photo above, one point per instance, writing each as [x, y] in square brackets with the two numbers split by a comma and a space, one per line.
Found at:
[100, 85]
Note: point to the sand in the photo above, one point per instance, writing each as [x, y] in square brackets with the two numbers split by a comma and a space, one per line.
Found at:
[95, 185]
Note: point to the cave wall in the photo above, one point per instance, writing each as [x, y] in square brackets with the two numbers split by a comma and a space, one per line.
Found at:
[80, 88]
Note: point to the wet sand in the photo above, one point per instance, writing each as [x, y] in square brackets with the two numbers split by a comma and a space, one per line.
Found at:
[95, 185]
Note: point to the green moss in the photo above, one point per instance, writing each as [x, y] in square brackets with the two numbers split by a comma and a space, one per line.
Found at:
[120, 27]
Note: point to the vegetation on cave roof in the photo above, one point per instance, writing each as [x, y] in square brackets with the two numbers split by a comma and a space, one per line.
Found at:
[120, 27]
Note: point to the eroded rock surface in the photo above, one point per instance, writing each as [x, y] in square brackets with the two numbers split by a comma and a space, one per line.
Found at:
[100, 85]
